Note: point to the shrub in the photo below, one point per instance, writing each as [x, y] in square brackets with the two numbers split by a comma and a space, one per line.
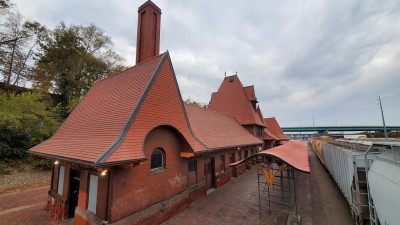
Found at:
[25, 120]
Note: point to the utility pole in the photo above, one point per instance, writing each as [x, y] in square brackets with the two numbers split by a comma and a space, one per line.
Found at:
[383, 118]
[313, 124]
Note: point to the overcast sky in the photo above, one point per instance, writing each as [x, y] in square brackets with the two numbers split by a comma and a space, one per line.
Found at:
[328, 59]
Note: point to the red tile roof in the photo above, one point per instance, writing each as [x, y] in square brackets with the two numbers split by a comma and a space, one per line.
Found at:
[231, 100]
[294, 153]
[250, 93]
[268, 135]
[216, 130]
[111, 122]
[162, 106]
[259, 113]
[101, 117]
[273, 131]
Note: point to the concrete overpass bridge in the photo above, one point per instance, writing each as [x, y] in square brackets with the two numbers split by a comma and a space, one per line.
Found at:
[320, 129]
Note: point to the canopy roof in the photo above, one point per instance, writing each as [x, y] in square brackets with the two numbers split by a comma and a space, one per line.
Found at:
[294, 153]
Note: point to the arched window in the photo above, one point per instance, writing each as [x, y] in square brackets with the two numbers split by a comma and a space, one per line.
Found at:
[157, 159]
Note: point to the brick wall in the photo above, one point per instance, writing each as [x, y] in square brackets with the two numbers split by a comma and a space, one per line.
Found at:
[137, 188]
[102, 190]
[223, 178]
[148, 34]
[83, 190]
[241, 169]
[54, 185]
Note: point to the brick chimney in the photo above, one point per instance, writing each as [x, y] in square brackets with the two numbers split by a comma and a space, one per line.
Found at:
[148, 33]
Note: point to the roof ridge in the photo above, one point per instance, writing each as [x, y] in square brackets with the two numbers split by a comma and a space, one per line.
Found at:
[130, 68]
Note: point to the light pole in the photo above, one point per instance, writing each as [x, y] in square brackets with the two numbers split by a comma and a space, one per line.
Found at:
[383, 118]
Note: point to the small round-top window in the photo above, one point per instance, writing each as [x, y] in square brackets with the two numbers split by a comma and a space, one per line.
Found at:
[157, 159]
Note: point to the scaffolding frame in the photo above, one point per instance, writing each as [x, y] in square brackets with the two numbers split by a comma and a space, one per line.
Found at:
[276, 187]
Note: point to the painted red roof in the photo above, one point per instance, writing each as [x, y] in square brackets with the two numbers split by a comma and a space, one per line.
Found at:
[216, 130]
[273, 130]
[231, 100]
[97, 122]
[295, 153]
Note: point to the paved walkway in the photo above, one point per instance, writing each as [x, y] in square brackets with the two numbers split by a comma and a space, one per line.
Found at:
[233, 203]
[319, 201]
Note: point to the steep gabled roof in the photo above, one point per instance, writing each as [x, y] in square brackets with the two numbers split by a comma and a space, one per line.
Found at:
[161, 105]
[216, 130]
[95, 132]
[273, 131]
[231, 99]
[102, 115]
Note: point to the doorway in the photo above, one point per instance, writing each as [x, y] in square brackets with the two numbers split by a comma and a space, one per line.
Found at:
[210, 173]
[74, 182]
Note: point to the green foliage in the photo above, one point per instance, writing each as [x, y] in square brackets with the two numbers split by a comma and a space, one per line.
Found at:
[73, 103]
[25, 120]
[72, 58]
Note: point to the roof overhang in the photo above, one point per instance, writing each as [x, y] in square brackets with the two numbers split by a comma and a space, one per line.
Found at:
[85, 163]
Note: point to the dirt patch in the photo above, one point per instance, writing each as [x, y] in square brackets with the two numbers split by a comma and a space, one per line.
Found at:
[23, 177]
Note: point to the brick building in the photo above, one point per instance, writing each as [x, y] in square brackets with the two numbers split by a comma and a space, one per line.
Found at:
[133, 153]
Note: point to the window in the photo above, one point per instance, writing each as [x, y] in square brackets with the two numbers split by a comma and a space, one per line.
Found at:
[192, 166]
[232, 158]
[246, 153]
[259, 131]
[60, 180]
[252, 151]
[240, 155]
[222, 162]
[157, 159]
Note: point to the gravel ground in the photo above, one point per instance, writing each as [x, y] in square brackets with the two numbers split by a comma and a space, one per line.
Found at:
[22, 178]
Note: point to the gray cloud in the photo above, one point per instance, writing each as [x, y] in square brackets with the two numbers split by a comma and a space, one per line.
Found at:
[330, 59]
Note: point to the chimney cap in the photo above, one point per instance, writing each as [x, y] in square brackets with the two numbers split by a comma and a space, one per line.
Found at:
[144, 5]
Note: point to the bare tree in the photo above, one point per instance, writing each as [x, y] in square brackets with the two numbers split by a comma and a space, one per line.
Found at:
[18, 42]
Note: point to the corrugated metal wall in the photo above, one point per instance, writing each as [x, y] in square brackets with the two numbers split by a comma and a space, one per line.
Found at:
[339, 162]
